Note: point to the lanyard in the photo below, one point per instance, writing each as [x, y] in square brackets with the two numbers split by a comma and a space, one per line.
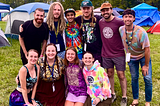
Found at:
[130, 38]
[56, 32]
[51, 71]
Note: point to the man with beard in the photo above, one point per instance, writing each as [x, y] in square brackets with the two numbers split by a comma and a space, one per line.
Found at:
[89, 26]
[34, 34]
[137, 46]
[113, 50]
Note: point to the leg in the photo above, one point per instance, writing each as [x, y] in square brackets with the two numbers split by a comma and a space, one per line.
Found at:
[69, 103]
[148, 82]
[78, 104]
[110, 73]
[123, 82]
[134, 70]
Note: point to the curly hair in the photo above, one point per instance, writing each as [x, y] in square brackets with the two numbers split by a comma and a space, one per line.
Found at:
[50, 18]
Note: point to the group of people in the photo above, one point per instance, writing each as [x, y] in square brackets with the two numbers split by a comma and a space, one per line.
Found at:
[74, 55]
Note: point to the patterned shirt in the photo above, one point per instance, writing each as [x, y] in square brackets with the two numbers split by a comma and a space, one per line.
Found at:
[97, 81]
[50, 73]
[139, 41]
[73, 37]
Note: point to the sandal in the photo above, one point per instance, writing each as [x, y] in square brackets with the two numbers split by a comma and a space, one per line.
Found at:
[134, 104]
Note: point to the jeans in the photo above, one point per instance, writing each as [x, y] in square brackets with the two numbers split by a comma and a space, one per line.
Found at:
[134, 70]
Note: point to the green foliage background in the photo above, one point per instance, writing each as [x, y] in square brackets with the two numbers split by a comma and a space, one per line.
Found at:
[96, 3]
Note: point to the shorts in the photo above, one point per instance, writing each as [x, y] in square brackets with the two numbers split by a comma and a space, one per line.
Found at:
[119, 63]
[71, 97]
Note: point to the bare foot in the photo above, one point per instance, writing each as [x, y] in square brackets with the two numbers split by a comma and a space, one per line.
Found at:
[147, 104]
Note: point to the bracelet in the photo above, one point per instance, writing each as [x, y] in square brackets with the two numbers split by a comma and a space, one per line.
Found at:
[27, 103]
[41, 56]
[33, 99]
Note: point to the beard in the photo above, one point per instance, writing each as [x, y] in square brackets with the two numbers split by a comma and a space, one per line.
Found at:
[109, 15]
[39, 21]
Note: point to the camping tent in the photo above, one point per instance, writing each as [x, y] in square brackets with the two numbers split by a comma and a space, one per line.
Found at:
[145, 21]
[98, 12]
[118, 9]
[4, 7]
[21, 14]
[155, 29]
[3, 40]
[144, 9]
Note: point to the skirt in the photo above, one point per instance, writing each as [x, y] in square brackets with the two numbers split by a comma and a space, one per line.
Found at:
[47, 97]
[71, 97]
[16, 98]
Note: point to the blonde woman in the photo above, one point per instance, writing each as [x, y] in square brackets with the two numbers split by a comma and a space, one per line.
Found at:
[57, 24]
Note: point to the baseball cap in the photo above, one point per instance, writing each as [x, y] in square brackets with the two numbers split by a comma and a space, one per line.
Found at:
[106, 5]
[69, 10]
[86, 3]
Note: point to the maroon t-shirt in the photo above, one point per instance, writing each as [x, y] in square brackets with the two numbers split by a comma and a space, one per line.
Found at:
[111, 40]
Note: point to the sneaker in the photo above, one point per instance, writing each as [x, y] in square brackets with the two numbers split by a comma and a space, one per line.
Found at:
[113, 97]
[124, 101]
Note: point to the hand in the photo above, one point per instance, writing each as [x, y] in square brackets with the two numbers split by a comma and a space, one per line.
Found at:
[25, 55]
[21, 28]
[145, 70]
[34, 103]
[96, 101]
[17, 79]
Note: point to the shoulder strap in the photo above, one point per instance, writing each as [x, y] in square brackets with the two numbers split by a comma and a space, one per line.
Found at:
[27, 72]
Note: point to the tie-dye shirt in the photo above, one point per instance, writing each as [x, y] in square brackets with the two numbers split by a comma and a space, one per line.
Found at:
[73, 37]
[97, 81]
[139, 41]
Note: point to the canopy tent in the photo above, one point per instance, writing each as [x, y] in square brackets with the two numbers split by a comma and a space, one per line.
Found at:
[3, 40]
[4, 7]
[144, 9]
[118, 9]
[98, 12]
[21, 14]
[155, 29]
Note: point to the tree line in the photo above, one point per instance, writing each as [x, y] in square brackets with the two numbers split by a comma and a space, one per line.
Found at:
[124, 4]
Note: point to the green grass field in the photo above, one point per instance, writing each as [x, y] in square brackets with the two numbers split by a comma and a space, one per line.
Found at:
[10, 64]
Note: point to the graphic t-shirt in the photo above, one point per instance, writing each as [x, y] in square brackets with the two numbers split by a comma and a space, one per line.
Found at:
[111, 40]
[91, 35]
[139, 41]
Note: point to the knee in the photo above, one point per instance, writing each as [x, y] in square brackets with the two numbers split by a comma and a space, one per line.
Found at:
[110, 74]
[121, 76]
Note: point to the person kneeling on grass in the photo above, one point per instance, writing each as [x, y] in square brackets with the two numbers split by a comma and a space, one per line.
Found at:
[98, 85]
[27, 82]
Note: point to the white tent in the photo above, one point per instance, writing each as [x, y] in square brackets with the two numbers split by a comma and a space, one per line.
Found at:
[3, 40]
[21, 14]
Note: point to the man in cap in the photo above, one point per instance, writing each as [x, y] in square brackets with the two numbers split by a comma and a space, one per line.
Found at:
[72, 32]
[113, 50]
[137, 46]
[90, 29]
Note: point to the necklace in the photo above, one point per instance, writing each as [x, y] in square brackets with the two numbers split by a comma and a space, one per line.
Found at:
[56, 32]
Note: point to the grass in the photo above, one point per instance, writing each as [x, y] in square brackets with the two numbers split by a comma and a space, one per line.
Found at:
[10, 64]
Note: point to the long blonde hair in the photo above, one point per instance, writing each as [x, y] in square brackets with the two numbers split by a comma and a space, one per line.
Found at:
[50, 18]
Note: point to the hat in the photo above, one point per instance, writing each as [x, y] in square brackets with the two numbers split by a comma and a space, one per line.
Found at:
[106, 5]
[69, 10]
[86, 3]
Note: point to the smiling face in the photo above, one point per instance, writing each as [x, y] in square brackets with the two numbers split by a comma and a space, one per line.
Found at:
[106, 13]
[128, 19]
[56, 11]
[70, 17]
[51, 52]
[32, 57]
[86, 11]
[38, 16]
[88, 59]
[70, 56]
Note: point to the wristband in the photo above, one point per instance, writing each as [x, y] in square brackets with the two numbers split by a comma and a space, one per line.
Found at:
[33, 99]
[41, 56]
[27, 103]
